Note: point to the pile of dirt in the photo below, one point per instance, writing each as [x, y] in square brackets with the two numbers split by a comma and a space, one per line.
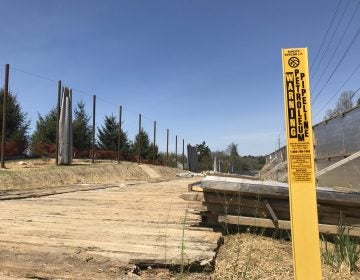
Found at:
[43, 173]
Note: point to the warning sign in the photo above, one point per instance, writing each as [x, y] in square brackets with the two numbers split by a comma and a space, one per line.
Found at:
[297, 108]
[300, 154]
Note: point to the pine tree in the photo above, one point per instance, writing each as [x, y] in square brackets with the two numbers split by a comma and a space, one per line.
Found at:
[82, 131]
[45, 131]
[43, 139]
[17, 125]
[146, 148]
[204, 154]
[108, 136]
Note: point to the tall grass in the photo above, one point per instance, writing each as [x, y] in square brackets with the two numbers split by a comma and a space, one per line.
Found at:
[344, 251]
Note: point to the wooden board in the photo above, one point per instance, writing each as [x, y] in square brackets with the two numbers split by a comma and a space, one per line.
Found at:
[119, 224]
[240, 197]
[268, 223]
[272, 189]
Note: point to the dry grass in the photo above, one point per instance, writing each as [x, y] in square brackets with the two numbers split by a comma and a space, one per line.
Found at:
[42, 173]
[248, 256]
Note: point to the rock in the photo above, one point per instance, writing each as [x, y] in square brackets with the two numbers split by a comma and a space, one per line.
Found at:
[184, 175]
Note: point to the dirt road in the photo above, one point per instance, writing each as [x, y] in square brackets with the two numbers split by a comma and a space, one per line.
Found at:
[94, 234]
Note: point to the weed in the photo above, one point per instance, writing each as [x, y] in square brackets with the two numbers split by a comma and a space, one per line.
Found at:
[183, 244]
[166, 229]
[345, 250]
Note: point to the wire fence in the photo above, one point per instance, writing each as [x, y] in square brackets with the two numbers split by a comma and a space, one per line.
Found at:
[112, 132]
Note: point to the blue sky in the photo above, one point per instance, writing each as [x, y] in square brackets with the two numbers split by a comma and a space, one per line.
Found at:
[207, 70]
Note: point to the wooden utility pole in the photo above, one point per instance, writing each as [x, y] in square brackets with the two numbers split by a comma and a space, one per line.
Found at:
[139, 140]
[183, 154]
[57, 124]
[154, 143]
[119, 135]
[167, 147]
[93, 131]
[176, 151]
[4, 120]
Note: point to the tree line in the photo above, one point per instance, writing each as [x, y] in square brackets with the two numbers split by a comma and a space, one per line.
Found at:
[42, 141]
[228, 160]
[344, 103]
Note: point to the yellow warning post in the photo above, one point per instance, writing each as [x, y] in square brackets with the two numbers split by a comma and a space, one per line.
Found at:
[301, 173]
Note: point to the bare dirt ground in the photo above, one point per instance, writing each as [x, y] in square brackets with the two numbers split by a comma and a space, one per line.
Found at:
[42, 173]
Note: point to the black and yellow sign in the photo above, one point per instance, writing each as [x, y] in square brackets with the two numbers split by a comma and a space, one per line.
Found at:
[301, 173]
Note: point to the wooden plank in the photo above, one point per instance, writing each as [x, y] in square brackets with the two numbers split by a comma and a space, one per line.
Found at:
[274, 190]
[197, 189]
[237, 200]
[195, 184]
[337, 164]
[252, 206]
[267, 223]
[325, 218]
[272, 213]
[146, 221]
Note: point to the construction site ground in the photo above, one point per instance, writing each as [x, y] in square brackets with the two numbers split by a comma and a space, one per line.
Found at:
[104, 221]
[99, 231]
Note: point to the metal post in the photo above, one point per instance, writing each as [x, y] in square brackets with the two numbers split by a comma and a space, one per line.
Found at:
[4, 123]
[167, 147]
[139, 140]
[183, 154]
[154, 142]
[119, 135]
[175, 151]
[93, 132]
[57, 124]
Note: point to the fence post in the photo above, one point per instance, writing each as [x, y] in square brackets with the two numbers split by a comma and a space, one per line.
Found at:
[4, 123]
[183, 154]
[57, 124]
[167, 147]
[154, 142]
[139, 140]
[175, 151]
[93, 132]
[119, 135]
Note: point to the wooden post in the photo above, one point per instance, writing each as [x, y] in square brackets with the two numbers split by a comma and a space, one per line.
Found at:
[175, 151]
[4, 123]
[119, 135]
[154, 142]
[167, 147]
[139, 140]
[183, 154]
[57, 124]
[93, 132]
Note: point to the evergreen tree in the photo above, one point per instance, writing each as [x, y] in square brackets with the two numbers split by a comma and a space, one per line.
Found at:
[203, 150]
[43, 139]
[108, 136]
[156, 152]
[45, 131]
[82, 131]
[17, 125]
[146, 149]
[204, 155]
